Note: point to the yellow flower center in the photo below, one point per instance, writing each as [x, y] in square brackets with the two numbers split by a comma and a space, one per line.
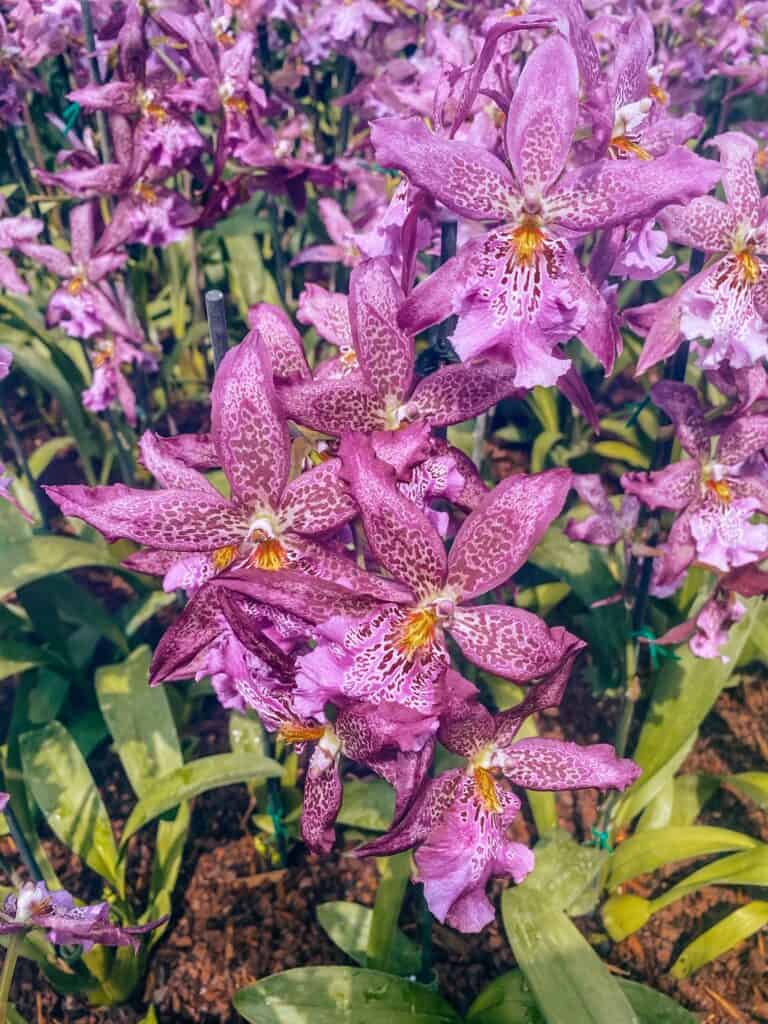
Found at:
[222, 558]
[268, 554]
[749, 266]
[104, 354]
[76, 285]
[486, 787]
[659, 94]
[145, 191]
[417, 632]
[237, 103]
[528, 239]
[292, 732]
[719, 489]
[625, 145]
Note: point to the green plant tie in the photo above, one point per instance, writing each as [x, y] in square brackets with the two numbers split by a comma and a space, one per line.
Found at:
[637, 408]
[656, 649]
[600, 839]
[71, 114]
[275, 811]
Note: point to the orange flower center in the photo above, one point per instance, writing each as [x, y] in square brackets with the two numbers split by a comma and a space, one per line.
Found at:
[146, 192]
[76, 285]
[486, 787]
[417, 632]
[236, 103]
[749, 266]
[222, 558]
[292, 732]
[103, 355]
[268, 554]
[528, 239]
[659, 94]
[719, 489]
[625, 145]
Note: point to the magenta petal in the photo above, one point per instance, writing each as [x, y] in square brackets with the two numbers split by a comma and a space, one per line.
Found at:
[673, 487]
[510, 642]
[737, 155]
[323, 793]
[173, 519]
[199, 624]
[742, 438]
[305, 596]
[542, 115]
[248, 427]
[681, 403]
[384, 351]
[618, 191]
[318, 500]
[195, 450]
[460, 391]
[704, 223]
[281, 339]
[466, 726]
[400, 536]
[442, 293]
[171, 471]
[467, 179]
[327, 312]
[495, 539]
[424, 814]
[554, 765]
[333, 406]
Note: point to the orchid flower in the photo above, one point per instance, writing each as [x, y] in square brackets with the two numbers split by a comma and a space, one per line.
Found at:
[716, 491]
[727, 302]
[608, 524]
[54, 912]
[458, 823]
[519, 290]
[267, 522]
[15, 232]
[398, 652]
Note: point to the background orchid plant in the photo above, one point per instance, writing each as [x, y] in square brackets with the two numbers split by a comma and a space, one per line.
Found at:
[439, 230]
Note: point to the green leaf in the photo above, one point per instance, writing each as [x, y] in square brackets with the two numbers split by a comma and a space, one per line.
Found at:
[139, 719]
[544, 443]
[169, 850]
[250, 281]
[751, 784]
[622, 452]
[247, 735]
[564, 870]
[583, 566]
[567, 977]
[726, 934]
[367, 804]
[341, 995]
[41, 457]
[509, 1000]
[17, 657]
[679, 802]
[191, 780]
[646, 851]
[384, 936]
[349, 926]
[647, 788]
[143, 610]
[622, 915]
[683, 696]
[61, 783]
[45, 555]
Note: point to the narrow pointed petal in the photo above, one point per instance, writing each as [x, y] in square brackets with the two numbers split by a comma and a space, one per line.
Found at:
[174, 519]
[705, 223]
[467, 179]
[323, 561]
[555, 765]
[496, 539]
[327, 312]
[198, 626]
[248, 427]
[318, 500]
[737, 154]
[170, 471]
[681, 403]
[281, 339]
[542, 115]
[442, 293]
[423, 815]
[460, 391]
[384, 351]
[612, 192]
[333, 406]
[195, 450]
[400, 536]
[323, 793]
[302, 595]
[576, 391]
[673, 487]
[510, 642]
[467, 726]
[406, 773]
[744, 437]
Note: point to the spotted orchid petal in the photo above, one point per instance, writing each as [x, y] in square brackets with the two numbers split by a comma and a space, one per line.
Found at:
[542, 116]
[248, 427]
[170, 471]
[555, 765]
[323, 793]
[511, 642]
[705, 223]
[673, 487]
[467, 179]
[333, 406]
[328, 313]
[317, 501]
[400, 536]
[461, 391]
[681, 403]
[385, 352]
[280, 338]
[737, 155]
[496, 539]
[743, 437]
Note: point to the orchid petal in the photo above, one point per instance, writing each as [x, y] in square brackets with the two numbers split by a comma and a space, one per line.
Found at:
[705, 223]
[742, 438]
[681, 403]
[673, 487]
[332, 406]
[737, 155]
[460, 391]
[384, 351]
[317, 500]
[323, 793]
[554, 765]
[281, 339]
[327, 312]
[169, 471]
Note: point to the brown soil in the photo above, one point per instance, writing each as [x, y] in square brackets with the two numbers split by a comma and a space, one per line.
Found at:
[237, 919]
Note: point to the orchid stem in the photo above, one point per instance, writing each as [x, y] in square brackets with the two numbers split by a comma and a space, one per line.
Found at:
[21, 844]
[93, 62]
[426, 972]
[9, 966]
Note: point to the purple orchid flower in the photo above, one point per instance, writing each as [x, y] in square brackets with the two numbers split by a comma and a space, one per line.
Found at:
[398, 652]
[55, 913]
[14, 233]
[519, 291]
[459, 821]
[341, 231]
[6, 361]
[4, 798]
[716, 491]
[267, 523]
[608, 524]
[726, 302]
[82, 304]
